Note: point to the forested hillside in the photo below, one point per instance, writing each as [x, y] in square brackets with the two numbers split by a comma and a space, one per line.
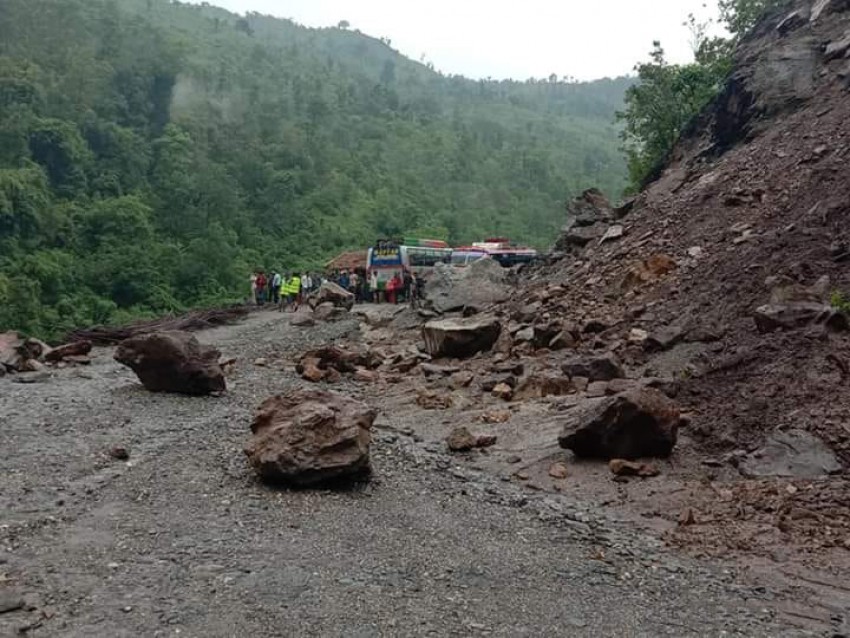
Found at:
[153, 153]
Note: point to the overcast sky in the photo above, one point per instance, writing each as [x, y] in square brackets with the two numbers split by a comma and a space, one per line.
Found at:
[585, 39]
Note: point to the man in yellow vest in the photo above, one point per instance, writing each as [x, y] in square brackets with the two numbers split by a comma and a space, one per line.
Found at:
[293, 291]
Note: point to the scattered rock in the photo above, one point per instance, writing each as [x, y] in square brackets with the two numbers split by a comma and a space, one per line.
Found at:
[648, 271]
[562, 341]
[597, 389]
[638, 336]
[460, 338]
[462, 379]
[539, 386]
[600, 368]
[794, 453]
[614, 232]
[486, 440]
[665, 338]
[303, 317]
[327, 311]
[306, 438]
[430, 400]
[687, 518]
[75, 349]
[173, 362]
[800, 314]
[638, 423]
[496, 416]
[431, 369]
[261, 362]
[119, 453]
[503, 391]
[460, 440]
[620, 467]
[366, 376]
[559, 471]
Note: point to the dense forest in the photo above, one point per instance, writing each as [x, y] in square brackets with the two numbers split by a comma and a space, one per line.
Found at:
[153, 153]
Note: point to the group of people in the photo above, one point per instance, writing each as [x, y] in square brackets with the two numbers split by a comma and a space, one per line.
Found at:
[284, 291]
[287, 291]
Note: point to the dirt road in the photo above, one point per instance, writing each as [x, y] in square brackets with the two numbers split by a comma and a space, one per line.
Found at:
[181, 540]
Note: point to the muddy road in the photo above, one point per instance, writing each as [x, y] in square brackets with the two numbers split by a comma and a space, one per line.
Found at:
[180, 539]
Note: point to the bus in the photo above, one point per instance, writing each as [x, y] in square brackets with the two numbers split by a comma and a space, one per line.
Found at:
[506, 253]
[388, 257]
[466, 255]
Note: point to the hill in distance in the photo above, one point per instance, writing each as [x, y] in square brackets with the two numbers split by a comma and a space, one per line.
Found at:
[154, 153]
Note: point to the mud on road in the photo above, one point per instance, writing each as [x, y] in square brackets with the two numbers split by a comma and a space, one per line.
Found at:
[180, 538]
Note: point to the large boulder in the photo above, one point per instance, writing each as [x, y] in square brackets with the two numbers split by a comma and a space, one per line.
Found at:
[477, 286]
[460, 338]
[331, 292]
[798, 314]
[173, 362]
[306, 438]
[588, 217]
[11, 345]
[638, 423]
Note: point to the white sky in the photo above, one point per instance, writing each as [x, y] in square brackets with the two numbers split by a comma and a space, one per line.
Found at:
[585, 39]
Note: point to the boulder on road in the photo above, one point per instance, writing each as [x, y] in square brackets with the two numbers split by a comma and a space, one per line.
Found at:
[327, 311]
[303, 317]
[331, 292]
[481, 284]
[460, 338]
[632, 425]
[306, 438]
[74, 349]
[173, 362]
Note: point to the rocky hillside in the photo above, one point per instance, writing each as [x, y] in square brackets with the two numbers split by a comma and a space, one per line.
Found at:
[729, 260]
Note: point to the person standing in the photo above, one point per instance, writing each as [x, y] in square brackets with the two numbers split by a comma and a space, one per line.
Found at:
[262, 282]
[373, 286]
[253, 288]
[277, 282]
[407, 283]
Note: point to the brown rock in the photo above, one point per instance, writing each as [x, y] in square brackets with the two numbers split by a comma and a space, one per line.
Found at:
[366, 376]
[580, 383]
[620, 467]
[462, 379]
[75, 349]
[562, 341]
[600, 368]
[648, 271]
[307, 438]
[486, 440]
[559, 471]
[312, 373]
[331, 293]
[687, 518]
[538, 386]
[638, 423]
[496, 416]
[173, 362]
[460, 440]
[503, 391]
[430, 400]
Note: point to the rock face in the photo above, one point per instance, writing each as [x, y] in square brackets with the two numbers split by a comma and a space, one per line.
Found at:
[173, 362]
[309, 438]
[480, 285]
[635, 424]
[588, 218]
[795, 453]
[331, 292]
[460, 338]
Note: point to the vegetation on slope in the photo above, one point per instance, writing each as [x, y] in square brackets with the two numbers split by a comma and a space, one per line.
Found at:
[152, 154]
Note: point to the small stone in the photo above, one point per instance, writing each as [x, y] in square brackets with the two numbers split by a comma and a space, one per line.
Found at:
[687, 518]
[597, 389]
[503, 391]
[513, 460]
[486, 440]
[695, 252]
[119, 453]
[261, 362]
[621, 467]
[559, 471]
[638, 336]
[496, 416]
[461, 440]
[10, 600]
